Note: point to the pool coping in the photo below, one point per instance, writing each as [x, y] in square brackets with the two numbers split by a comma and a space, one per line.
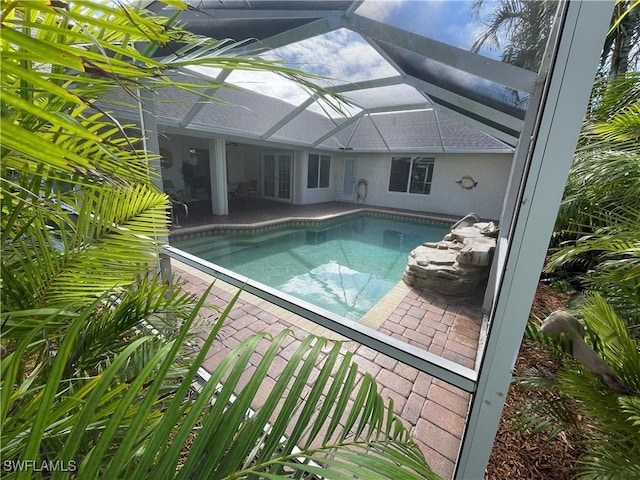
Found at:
[227, 228]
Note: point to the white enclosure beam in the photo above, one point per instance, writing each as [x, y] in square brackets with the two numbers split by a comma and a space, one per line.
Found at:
[310, 30]
[363, 85]
[551, 151]
[408, 107]
[203, 14]
[379, 133]
[353, 7]
[149, 128]
[480, 109]
[218, 176]
[494, 132]
[339, 127]
[465, 103]
[290, 116]
[196, 107]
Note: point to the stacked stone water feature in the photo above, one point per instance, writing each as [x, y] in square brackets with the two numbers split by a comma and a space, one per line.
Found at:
[458, 265]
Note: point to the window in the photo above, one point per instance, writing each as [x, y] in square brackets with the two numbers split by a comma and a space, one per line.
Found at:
[318, 172]
[411, 175]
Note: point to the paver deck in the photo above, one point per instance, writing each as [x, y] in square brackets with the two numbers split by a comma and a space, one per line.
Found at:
[433, 411]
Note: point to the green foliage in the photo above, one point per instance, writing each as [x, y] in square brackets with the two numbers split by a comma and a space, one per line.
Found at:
[519, 28]
[611, 417]
[596, 230]
[546, 410]
[605, 174]
[83, 382]
[620, 52]
[576, 400]
[597, 240]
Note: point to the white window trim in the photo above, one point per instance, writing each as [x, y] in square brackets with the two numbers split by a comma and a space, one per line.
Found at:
[318, 187]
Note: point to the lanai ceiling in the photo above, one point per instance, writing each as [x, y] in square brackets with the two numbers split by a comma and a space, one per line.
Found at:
[407, 89]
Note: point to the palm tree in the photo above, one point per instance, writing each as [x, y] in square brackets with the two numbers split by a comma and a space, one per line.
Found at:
[597, 224]
[621, 45]
[96, 371]
[520, 28]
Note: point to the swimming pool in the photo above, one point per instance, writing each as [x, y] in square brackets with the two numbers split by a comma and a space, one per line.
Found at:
[345, 266]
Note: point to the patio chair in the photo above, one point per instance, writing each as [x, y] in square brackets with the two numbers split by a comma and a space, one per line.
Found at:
[247, 190]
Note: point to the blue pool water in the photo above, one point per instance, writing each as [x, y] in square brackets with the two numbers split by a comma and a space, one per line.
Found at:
[344, 267]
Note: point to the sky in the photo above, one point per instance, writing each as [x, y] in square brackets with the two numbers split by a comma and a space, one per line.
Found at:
[448, 21]
[345, 57]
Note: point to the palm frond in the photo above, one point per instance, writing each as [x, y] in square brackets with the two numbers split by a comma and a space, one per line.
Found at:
[267, 443]
[631, 406]
[610, 463]
[546, 410]
[614, 342]
[610, 417]
[520, 28]
[114, 232]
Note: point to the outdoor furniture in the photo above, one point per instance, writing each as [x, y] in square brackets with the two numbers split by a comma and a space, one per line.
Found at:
[179, 202]
[247, 191]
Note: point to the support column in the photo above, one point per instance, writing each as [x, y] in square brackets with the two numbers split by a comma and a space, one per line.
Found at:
[149, 128]
[218, 173]
[298, 177]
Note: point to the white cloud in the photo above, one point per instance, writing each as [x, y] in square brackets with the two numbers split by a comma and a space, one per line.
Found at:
[270, 84]
[339, 57]
[342, 56]
[448, 21]
[380, 10]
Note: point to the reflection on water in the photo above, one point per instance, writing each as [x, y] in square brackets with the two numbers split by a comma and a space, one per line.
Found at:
[339, 289]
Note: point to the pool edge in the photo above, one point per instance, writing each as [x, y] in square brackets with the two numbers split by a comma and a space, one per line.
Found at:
[301, 221]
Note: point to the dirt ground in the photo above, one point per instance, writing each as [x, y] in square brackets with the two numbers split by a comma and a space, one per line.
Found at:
[516, 454]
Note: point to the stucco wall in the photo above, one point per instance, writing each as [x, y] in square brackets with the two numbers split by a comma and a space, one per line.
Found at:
[320, 195]
[491, 171]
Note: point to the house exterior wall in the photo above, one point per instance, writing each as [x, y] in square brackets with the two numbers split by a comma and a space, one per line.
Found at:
[320, 195]
[491, 171]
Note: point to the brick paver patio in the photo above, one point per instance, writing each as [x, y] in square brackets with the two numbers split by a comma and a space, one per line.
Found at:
[432, 410]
